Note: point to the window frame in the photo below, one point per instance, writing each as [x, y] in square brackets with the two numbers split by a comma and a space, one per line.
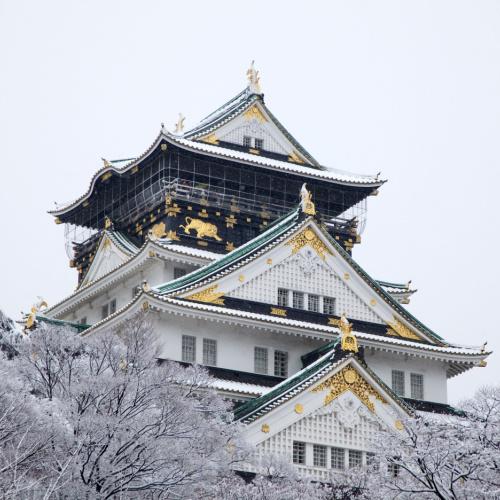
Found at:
[332, 305]
[320, 455]
[301, 298]
[339, 453]
[184, 348]
[359, 458]
[206, 360]
[262, 350]
[316, 298]
[281, 366]
[414, 387]
[299, 452]
[394, 382]
[283, 293]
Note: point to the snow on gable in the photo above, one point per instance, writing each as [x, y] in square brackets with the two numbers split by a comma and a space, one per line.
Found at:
[255, 124]
[108, 257]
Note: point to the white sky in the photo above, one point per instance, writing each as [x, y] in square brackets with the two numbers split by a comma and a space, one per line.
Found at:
[411, 89]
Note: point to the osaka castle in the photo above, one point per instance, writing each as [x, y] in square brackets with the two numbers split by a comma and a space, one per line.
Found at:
[240, 246]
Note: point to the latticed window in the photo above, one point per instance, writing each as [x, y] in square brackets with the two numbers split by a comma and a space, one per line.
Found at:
[282, 297]
[299, 452]
[313, 302]
[338, 458]
[319, 455]
[398, 382]
[280, 363]
[355, 458]
[298, 300]
[328, 305]
[393, 470]
[188, 349]
[371, 459]
[179, 272]
[209, 352]
[259, 143]
[260, 360]
[417, 386]
[247, 141]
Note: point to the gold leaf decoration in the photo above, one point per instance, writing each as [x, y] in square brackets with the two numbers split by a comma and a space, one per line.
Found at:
[278, 312]
[210, 295]
[348, 379]
[397, 329]
[308, 237]
[210, 139]
[254, 113]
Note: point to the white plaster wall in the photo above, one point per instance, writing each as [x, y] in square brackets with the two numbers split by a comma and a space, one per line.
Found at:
[305, 272]
[434, 372]
[156, 272]
[235, 344]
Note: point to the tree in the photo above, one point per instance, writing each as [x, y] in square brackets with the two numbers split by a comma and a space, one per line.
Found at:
[104, 419]
[438, 456]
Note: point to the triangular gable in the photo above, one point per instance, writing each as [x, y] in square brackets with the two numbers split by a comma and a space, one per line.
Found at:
[337, 385]
[112, 251]
[247, 115]
[256, 276]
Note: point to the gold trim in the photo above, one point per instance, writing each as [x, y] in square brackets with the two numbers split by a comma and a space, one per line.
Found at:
[172, 235]
[209, 295]
[398, 329]
[229, 246]
[278, 312]
[483, 364]
[399, 425]
[348, 379]
[231, 221]
[269, 261]
[202, 228]
[299, 409]
[106, 176]
[373, 302]
[254, 113]
[158, 231]
[295, 158]
[265, 428]
[241, 278]
[163, 147]
[210, 139]
[308, 237]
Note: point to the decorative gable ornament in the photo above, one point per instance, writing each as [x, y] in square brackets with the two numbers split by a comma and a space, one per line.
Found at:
[306, 202]
[349, 341]
[308, 262]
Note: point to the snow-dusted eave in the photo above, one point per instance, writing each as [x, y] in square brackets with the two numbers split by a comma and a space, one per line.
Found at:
[212, 312]
[149, 250]
[335, 176]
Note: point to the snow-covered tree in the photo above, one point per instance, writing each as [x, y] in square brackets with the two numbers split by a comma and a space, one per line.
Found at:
[437, 456]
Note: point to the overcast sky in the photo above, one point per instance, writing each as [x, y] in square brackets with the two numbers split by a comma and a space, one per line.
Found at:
[411, 89]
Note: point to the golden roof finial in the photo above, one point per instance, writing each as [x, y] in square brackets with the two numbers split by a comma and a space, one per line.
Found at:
[35, 308]
[253, 79]
[306, 202]
[108, 224]
[348, 341]
[106, 162]
[179, 126]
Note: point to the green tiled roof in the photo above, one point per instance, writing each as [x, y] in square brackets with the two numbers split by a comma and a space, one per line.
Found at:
[59, 322]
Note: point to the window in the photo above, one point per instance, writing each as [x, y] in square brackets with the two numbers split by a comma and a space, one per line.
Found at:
[313, 302]
[260, 360]
[108, 309]
[209, 352]
[393, 470]
[280, 364]
[247, 141]
[282, 297]
[259, 143]
[179, 272]
[355, 458]
[398, 382]
[328, 305]
[298, 300]
[319, 455]
[189, 349]
[299, 452]
[417, 386]
[338, 458]
[370, 460]
[83, 321]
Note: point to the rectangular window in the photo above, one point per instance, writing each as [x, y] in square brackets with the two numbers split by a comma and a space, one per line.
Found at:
[319, 455]
[338, 458]
[393, 470]
[210, 352]
[313, 302]
[260, 360]
[179, 272]
[298, 300]
[247, 141]
[280, 364]
[104, 311]
[259, 143]
[112, 306]
[398, 382]
[417, 386]
[328, 305]
[371, 460]
[189, 349]
[299, 452]
[283, 297]
[355, 458]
